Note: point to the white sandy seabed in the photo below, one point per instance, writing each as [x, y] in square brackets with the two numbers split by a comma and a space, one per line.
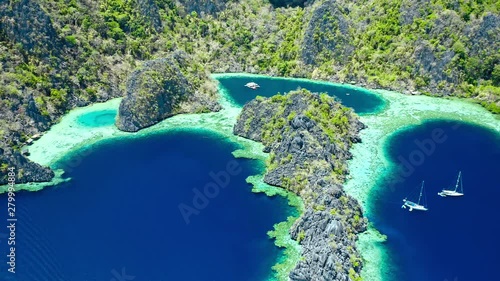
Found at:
[369, 163]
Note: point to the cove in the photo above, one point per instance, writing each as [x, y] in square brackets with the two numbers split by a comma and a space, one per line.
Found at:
[361, 100]
[457, 238]
[119, 214]
[98, 118]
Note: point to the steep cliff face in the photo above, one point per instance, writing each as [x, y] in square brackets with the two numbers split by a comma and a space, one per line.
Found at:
[162, 88]
[26, 23]
[484, 35]
[308, 137]
[433, 65]
[432, 47]
[327, 35]
[456, 52]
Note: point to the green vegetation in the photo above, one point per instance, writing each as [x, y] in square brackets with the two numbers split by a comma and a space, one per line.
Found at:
[271, 131]
[301, 236]
[429, 47]
[79, 52]
[353, 275]
[91, 47]
[319, 208]
[344, 200]
[4, 167]
[271, 162]
[333, 121]
[272, 118]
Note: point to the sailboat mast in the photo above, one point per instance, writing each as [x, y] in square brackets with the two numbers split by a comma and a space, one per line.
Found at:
[421, 189]
[458, 179]
[461, 183]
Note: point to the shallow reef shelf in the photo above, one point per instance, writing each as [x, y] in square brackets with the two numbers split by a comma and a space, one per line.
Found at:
[370, 163]
[72, 138]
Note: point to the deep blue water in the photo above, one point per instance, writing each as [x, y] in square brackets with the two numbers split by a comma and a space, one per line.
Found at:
[457, 239]
[120, 213]
[119, 216]
[362, 101]
[98, 118]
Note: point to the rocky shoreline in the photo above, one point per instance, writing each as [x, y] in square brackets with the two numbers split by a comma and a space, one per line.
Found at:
[159, 89]
[308, 137]
[390, 120]
[82, 53]
[26, 170]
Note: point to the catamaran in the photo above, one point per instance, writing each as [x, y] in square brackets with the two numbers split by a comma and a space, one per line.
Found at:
[415, 206]
[456, 192]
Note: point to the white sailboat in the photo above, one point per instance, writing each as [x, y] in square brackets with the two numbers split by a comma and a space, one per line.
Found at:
[415, 206]
[456, 192]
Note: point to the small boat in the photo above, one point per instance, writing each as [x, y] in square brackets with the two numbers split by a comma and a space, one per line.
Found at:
[252, 85]
[415, 206]
[36, 136]
[456, 192]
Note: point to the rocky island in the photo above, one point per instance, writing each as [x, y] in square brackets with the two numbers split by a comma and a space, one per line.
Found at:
[308, 137]
[162, 88]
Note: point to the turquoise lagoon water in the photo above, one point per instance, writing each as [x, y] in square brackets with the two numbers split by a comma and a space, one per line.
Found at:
[361, 100]
[98, 118]
[119, 217]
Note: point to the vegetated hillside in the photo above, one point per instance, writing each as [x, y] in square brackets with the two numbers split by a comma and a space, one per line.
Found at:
[58, 54]
[435, 47]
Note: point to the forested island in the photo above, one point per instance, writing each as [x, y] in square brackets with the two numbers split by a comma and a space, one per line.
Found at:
[158, 54]
[308, 137]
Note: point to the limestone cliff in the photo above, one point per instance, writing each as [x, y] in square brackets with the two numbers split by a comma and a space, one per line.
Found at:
[162, 88]
[308, 137]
